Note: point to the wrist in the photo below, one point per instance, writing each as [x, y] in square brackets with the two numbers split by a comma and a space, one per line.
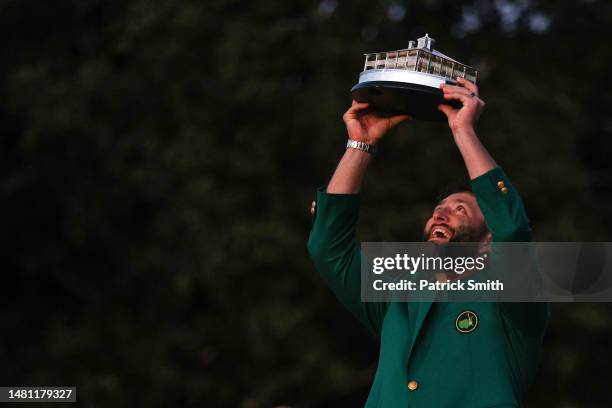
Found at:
[361, 146]
[363, 139]
[358, 155]
[463, 132]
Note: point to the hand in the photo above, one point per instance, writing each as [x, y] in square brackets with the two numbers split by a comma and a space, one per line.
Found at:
[364, 125]
[467, 116]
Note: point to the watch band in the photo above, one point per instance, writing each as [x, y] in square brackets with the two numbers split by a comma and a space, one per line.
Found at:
[368, 148]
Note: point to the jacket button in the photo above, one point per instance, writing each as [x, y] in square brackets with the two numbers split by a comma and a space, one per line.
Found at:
[413, 385]
[501, 184]
[504, 190]
[313, 207]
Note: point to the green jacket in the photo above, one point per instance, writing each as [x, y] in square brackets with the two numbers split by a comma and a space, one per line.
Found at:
[424, 360]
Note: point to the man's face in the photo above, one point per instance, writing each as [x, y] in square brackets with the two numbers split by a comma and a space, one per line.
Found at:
[457, 218]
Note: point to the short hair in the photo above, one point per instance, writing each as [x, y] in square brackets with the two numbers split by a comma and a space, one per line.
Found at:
[457, 186]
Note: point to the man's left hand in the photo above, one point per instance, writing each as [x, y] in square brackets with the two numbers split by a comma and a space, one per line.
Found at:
[466, 117]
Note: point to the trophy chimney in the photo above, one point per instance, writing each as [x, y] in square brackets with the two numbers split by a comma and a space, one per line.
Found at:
[426, 42]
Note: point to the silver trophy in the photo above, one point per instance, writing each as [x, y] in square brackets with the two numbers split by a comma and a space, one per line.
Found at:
[408, 80]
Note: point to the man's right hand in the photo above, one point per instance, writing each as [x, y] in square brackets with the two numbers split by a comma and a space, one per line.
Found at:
[365, 125]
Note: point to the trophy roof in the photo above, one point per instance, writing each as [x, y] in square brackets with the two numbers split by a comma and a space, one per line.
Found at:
[423, 44]
[439, 54]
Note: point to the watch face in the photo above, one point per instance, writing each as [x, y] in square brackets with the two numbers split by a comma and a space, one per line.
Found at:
[354, 144]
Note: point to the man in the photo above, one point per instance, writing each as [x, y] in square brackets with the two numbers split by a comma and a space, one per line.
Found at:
[434, 354]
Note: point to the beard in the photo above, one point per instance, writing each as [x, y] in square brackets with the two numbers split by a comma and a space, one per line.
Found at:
[466, 234]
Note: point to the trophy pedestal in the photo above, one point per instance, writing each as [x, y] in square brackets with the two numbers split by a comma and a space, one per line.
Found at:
[393, 98]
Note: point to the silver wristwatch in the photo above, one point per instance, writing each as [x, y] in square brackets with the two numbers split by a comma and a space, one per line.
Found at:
[354, 144]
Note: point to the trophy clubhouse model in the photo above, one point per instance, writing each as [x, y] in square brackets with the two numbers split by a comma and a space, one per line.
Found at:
[408, 81]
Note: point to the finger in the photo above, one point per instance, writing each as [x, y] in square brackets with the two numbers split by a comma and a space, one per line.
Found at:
[468, 85]
[446, 109]
[395, 120]
[355, 109]
[357, 106]
[465, 99]
[460, 96]
[455, 88]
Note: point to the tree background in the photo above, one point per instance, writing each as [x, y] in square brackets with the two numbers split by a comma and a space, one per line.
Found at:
[159, 159]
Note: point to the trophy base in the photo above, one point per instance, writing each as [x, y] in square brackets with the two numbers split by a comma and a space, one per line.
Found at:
[397, 98]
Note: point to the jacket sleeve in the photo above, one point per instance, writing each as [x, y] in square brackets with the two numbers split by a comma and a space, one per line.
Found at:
[336, 255]
[507, 221]
[502, 207]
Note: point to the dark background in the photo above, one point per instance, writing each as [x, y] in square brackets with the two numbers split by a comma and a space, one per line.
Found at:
[158, 160]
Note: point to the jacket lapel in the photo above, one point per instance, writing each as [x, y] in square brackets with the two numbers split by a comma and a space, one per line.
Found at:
[417, 313]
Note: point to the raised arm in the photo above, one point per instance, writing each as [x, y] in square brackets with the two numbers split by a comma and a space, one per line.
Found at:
[333, 245]
[497, 198]
[365, 126]
[463, 125]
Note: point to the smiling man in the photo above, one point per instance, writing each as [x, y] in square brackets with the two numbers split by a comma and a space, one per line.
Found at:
[457, 218]
[434, 354]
